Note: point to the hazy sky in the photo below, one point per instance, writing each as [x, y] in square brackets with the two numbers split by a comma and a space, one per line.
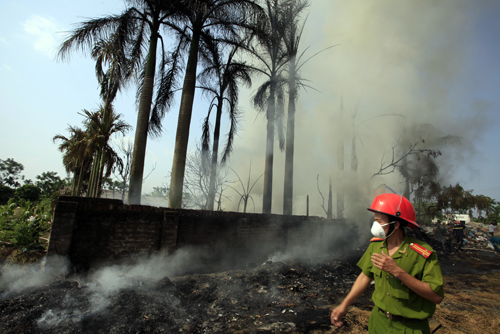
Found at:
[434, 62]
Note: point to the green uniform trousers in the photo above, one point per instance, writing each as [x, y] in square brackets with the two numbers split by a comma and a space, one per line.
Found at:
[380, 324]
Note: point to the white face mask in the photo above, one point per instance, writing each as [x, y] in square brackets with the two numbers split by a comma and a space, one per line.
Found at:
[378, 231]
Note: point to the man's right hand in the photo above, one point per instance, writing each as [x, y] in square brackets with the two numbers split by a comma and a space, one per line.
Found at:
[337, 315]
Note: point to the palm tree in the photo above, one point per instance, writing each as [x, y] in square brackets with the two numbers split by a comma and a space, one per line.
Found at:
[137, 26]
[224, 18]
[98, 132]
[76, 158]
[272, 55]
[219, 81]
[108, 53]
[292, 33]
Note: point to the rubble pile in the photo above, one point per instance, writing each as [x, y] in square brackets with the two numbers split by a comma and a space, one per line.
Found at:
[477, 238]
[443, 242]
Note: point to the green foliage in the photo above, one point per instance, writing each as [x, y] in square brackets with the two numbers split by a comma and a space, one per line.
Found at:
[161, 192]
[492, 213]
[456, 199]
[49, 184]
[426, 212]
[22, 222]
[10, 172]
[5, 194]
[28, 192]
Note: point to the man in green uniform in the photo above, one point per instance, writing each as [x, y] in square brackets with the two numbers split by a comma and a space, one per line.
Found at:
[406, 271]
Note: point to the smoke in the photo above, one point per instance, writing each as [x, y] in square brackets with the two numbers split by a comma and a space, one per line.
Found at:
[19, 278]
[100, 287]
[397, 65]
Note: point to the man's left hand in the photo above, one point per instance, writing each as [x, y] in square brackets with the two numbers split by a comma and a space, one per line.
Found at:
[385, 263]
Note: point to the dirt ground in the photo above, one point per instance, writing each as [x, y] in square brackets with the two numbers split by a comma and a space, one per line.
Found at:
[275, 297]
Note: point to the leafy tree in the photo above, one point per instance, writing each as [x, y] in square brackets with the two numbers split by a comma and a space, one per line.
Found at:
[137, 26]
[455, 199]
[28, 192]
[219, 81]
[161, 192]
[494, 214]
[10, 173]
[426, 211]
[6, 193]
[49, 183]
[484, 203]
[418, 166]
[223, 19]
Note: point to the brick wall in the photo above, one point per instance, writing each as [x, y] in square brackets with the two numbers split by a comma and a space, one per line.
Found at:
[91, 231]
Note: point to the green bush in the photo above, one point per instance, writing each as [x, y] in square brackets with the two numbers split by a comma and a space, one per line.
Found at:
[26, 232]
[22, 222]
[6, 193]
[28, 192]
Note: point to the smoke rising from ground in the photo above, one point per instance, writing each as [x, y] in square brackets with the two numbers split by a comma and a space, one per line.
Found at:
[17, 278]
[103, 289]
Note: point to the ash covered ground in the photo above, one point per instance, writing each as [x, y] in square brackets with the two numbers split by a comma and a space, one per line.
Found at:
[278, 296]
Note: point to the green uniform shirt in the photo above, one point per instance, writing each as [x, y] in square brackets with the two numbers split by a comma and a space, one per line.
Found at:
[393, 296]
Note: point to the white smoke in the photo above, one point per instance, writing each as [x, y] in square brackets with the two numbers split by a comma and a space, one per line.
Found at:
[397, 64]
[17, 278]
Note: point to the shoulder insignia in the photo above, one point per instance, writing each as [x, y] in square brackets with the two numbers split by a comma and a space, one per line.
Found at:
[420, 250]
[376, 239]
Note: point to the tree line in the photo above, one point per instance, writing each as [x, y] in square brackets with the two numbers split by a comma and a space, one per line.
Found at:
[133, 46]
[216, 47]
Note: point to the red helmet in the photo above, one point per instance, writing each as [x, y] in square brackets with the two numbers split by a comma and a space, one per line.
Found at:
[396, 206]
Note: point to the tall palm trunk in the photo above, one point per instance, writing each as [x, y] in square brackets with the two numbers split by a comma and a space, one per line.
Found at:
[79, 183]
[290, 142]
[354, 156]
[340, 160]
[329, 211]
[215, 154]
[106, 121]
[100, 180]
[94, 174]
[406, 192]
[74, 182]
[268, 171]
[182, 135]
[141, 132]
[80, 180]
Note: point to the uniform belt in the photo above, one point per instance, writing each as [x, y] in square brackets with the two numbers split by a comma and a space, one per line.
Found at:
[398, 317]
